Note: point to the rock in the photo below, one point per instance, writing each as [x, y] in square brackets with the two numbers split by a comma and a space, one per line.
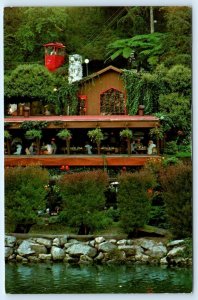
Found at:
[92, 243]
[69, 259]
[146, 244]
[121, 242]
[39, 249]
[106, 247]
[46, 242]
[99, 239]
[19, 258]
[131, 250]
[81, 249]
[175, 243]
[10, 241]
[56, 242]
[8, 252]
[113, 241]
[142, 258]
[99, 257]
[57, 253]
[63, 240]
[157, 251]
[33, 259]
[12, 257]
[73, 241]
[45, 256]
[177, 251]
[25, 248]
[85, 259]
[163, 261]
[129, 242]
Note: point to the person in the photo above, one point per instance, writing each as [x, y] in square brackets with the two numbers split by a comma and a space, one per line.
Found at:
[32, 149]
[18, 149]
[88, 148]
[138, 144]
[133, 147]
[53, 146]
[46, 149]
[151, 147]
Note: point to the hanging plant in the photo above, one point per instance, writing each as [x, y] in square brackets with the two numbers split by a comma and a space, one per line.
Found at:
[66, 135]
[96, 136]
[127, 134]
[158, 134]
[34, 134]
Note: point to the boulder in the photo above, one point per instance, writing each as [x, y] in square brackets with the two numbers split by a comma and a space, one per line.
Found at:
[85, 259]
[8, 251]
[63, 240]
[39, 249]
[81, 249]
[12, 257]
[121, 242]
[113, 241]
[45, 256]
[46, 242]
[99, 239]
[158, 251]
[142, 258]
[10, 241]
[92, 243]
[163, 261]
[25, 248]
[20, 258]
[131, 250]
[106, 247]
[146, 244]
[57, 253]
[69, 259]
[176, 252]
[175, 243]
[99, 257]
[33, 259]
[56, 242]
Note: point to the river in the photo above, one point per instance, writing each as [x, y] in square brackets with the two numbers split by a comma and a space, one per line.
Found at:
[60, 278]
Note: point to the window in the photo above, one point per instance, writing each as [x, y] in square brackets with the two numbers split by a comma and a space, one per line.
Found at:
[112, 102]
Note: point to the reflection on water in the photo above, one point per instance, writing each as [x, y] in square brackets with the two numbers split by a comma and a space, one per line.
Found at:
[62, 278]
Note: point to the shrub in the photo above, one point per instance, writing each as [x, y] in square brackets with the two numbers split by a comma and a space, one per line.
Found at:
[24, 195]
[171, 147]
[83, 197]
[134, 200]
[176, 183]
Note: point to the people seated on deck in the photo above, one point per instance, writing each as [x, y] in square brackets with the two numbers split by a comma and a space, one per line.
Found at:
[88, 148]
[138, 145]
[47, 149]
[18, 149]
[53, 146]
[151, 148]
[32, 149]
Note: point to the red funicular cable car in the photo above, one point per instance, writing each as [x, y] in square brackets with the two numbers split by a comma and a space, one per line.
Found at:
[54, 55]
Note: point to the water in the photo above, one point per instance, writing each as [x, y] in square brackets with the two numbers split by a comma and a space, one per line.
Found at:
[74, 279]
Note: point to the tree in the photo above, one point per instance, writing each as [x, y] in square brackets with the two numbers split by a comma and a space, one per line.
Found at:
[133, 199]
[83, 198]
[96, 136]
[66, 135]
[145, 49]
[24, 195]
[128, 134]
[28, 83]
[176, 183]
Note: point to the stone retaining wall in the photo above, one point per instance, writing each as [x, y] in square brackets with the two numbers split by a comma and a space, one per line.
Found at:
[96, 250]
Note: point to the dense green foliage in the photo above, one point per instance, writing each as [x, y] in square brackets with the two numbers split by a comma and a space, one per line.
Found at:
[133, 199]
[83, 199]
[24, 195]
[176, 182]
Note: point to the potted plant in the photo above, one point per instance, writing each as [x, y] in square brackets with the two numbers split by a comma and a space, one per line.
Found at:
[7, 137]
[158, 133]
[34, 134]
[127, 133]
[65, 134]
[96, 136]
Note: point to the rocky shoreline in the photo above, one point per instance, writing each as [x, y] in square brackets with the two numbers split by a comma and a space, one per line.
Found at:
[96, 250]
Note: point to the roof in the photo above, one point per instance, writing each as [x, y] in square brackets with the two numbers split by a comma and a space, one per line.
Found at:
[109, 68]
[58, 45]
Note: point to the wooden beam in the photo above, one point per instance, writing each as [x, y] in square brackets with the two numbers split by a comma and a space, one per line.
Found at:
[77, 160]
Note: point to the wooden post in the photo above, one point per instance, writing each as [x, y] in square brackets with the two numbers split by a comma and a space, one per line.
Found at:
[151, 20]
